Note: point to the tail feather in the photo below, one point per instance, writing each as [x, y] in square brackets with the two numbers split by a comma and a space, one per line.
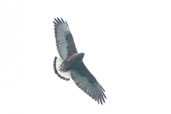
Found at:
[63, 75]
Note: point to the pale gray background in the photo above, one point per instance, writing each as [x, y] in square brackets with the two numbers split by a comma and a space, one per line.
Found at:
[127, 46]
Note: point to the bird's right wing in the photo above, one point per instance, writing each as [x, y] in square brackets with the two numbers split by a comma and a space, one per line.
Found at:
[87, 82]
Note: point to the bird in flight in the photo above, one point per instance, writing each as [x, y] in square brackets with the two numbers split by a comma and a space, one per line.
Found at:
[70, 64]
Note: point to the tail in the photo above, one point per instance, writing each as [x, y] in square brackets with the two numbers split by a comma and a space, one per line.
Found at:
[62, 75]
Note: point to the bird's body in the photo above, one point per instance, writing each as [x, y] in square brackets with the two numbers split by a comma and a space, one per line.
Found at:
[71, 65]
[71, 62]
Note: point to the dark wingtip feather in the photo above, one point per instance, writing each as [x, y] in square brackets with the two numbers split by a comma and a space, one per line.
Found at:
[100, 99]
[62, 20]
[58, 21]
[104, 95]
[103, 99]
[55, 69]
[66, 23]
[54, 22]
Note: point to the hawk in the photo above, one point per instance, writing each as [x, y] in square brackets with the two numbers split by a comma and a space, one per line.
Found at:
[70, 64]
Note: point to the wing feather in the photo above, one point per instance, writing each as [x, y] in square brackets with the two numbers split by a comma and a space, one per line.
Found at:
[64, 40]
[87, 82]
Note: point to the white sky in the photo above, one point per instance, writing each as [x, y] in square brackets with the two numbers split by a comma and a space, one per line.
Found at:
[127, 46]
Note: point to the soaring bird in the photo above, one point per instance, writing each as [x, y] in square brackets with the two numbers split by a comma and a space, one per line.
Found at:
[70, 64]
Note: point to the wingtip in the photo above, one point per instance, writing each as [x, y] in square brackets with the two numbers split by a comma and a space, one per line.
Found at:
[62, 20]
[56, 20]
[104, 95]
[59, 20]
[100, 99]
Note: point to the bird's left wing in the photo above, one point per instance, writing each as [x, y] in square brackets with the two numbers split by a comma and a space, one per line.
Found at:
[87, 82]
[64, 40]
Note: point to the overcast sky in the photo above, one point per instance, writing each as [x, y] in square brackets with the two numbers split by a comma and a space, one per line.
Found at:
[127, 46]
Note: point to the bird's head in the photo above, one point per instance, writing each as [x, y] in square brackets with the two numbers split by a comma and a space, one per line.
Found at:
[80, 56]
